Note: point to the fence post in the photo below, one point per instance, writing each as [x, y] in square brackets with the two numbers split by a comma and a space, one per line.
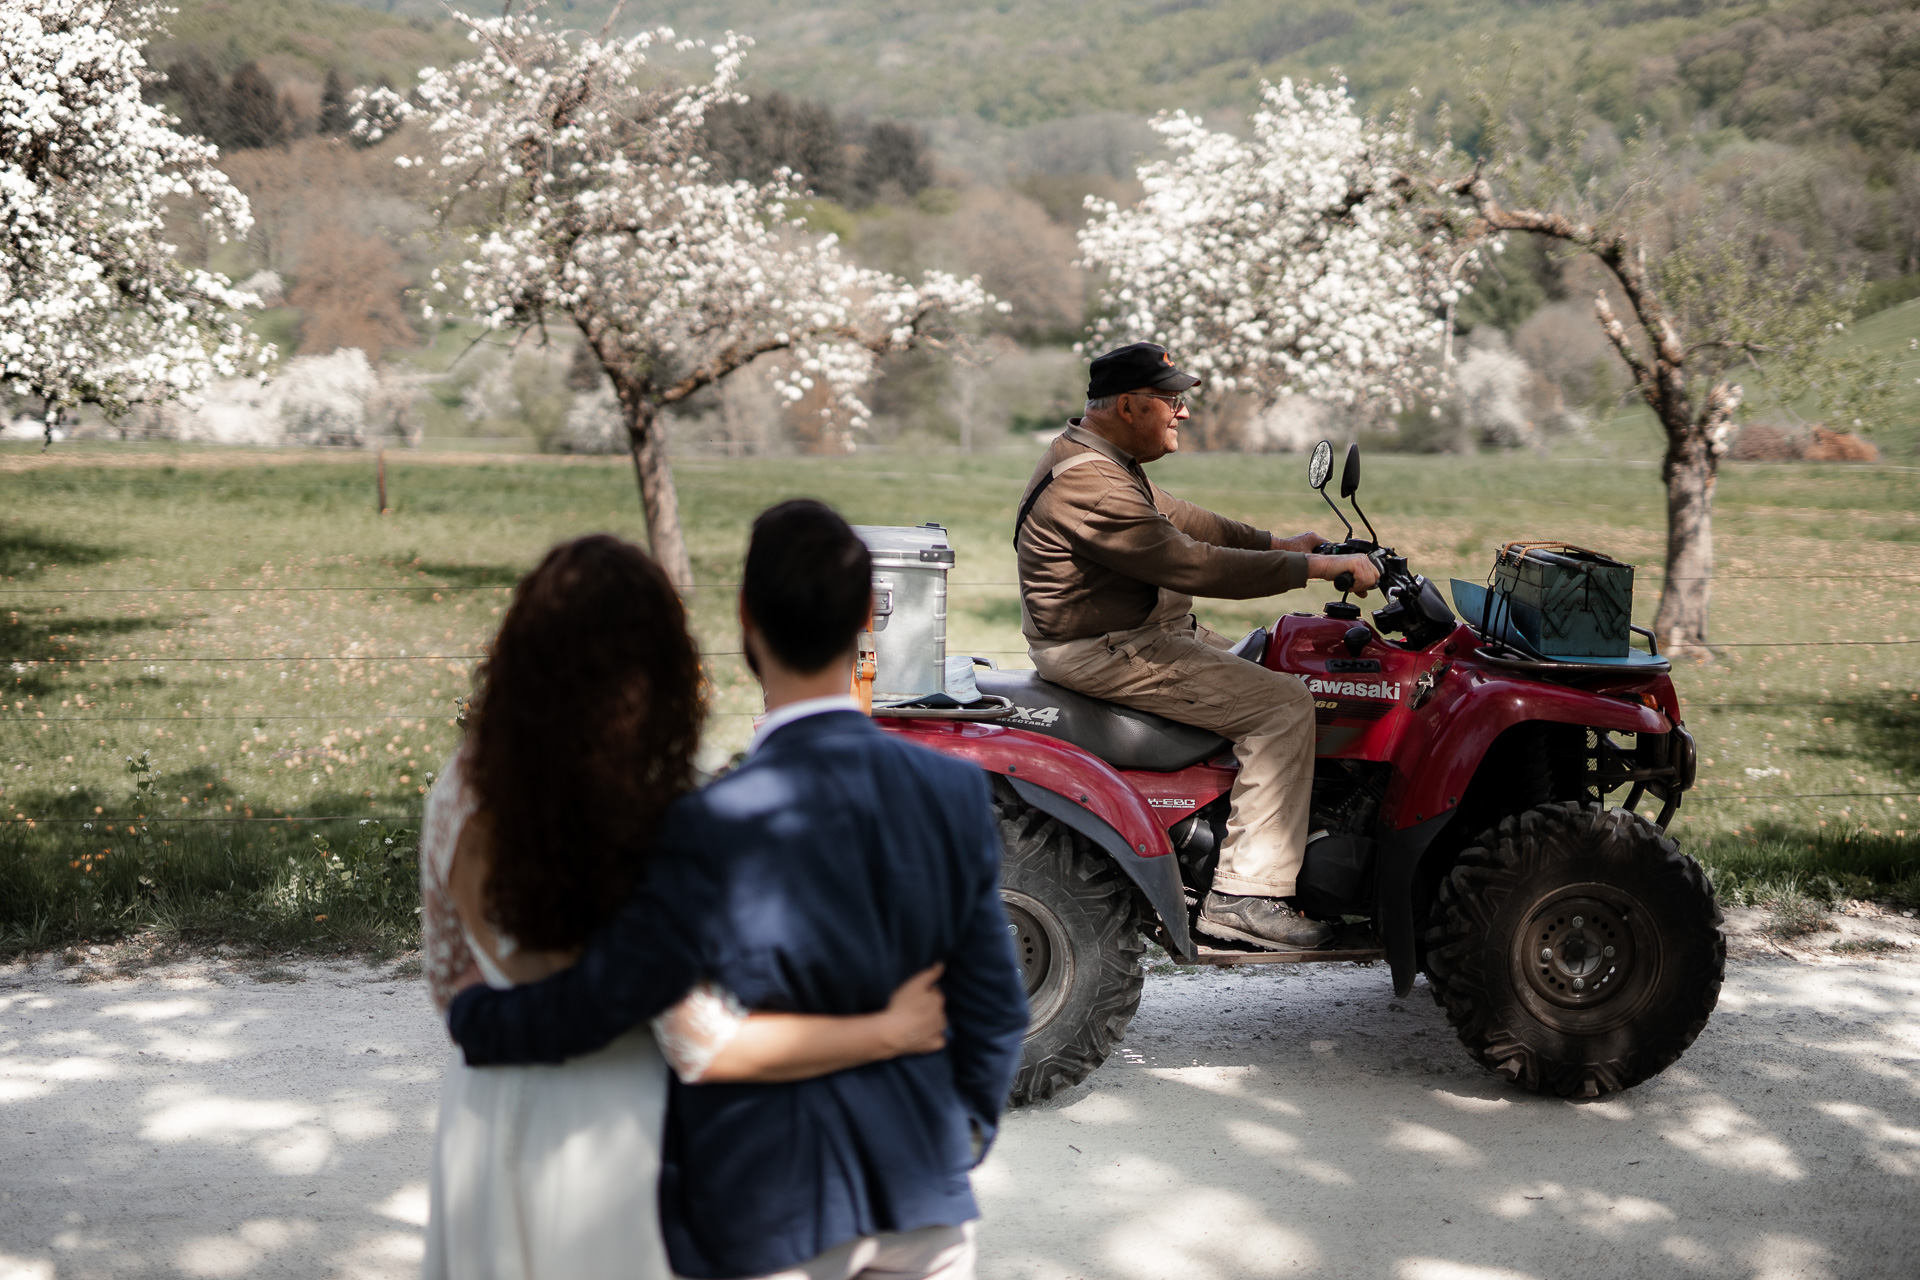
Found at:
[380, 473]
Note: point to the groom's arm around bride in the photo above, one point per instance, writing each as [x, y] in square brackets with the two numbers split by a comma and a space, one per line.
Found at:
[830, 867]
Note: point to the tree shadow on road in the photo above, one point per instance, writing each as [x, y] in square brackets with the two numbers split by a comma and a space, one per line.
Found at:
[1309, 1126]
[200, 1122]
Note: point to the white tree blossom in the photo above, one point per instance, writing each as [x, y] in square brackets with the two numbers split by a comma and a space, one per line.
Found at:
[1285, 265]
[577, 164]
[94, 305]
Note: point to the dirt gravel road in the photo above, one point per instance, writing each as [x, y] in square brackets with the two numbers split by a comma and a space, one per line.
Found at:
[196, 1121]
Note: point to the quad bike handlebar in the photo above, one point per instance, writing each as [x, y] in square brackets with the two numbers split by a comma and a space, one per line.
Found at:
[1382, 557]
[1414, 606]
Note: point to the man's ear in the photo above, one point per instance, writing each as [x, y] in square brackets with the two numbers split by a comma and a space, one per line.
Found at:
[747, 627]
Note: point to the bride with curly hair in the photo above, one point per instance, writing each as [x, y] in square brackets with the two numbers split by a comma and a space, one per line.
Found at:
[587, 714]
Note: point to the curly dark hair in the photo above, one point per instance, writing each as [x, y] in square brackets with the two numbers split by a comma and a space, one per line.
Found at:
[586, 714]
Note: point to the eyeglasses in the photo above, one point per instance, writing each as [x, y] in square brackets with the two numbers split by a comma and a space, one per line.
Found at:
[1178, 402]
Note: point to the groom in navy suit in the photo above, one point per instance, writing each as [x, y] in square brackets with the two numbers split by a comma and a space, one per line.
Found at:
[837, 861]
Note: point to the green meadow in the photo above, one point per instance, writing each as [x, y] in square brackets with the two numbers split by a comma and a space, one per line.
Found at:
[229, 681]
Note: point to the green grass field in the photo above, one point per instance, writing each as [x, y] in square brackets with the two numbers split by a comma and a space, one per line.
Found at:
[286, 661]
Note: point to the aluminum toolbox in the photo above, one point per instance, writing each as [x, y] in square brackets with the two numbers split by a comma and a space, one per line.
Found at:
[1565, 600]
[910, 566]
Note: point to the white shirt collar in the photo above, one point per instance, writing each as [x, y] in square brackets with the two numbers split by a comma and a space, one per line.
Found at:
[786, 715]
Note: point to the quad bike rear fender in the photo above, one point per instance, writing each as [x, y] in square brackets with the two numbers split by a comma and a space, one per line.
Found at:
[1080, 790]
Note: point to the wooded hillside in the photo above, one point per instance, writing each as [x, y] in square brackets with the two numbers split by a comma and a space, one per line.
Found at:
[966, 138]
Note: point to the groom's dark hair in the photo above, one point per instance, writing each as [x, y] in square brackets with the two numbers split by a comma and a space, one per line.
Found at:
[808, 584]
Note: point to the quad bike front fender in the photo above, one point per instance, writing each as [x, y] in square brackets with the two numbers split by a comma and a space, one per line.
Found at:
[1080, 790]
[1438, 759]
[1450, 736]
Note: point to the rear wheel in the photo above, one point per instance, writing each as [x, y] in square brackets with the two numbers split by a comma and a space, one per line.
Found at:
[1576, 951]
[1076, 929]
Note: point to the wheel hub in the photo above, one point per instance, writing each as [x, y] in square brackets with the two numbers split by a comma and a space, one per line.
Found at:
[1046, 958]
[1032, 946]
[1579, 951]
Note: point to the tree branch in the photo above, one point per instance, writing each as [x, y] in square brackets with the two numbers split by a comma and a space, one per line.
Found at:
[723, 364]
[736, 356]
[1751, 348]
[1617, 335]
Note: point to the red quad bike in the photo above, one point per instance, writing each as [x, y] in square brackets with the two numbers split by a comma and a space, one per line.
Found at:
[1462, 778]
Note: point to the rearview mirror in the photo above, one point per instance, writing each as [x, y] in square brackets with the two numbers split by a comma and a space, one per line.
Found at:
[1349, 474]
[1320, 466]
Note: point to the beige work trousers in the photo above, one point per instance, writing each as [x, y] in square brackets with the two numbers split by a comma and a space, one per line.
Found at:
[1183, 671]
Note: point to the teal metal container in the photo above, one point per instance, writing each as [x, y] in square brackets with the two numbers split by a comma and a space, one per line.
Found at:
[1566, 601]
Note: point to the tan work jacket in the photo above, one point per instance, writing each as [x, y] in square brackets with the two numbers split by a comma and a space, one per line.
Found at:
[1105, 549]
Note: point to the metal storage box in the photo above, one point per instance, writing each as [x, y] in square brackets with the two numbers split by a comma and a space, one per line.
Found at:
[1567, 601]
[910, 566]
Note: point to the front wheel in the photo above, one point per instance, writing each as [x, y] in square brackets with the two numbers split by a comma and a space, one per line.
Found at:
[1576, 951]
[1076, 929]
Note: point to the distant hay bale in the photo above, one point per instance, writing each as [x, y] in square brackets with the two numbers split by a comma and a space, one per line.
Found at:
[1840, 446]
[1760, 442]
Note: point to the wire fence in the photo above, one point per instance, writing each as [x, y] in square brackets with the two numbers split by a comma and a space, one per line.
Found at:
[165, 718]
[1806, 795]
[23, 662]
[108, 821]
[449, 588]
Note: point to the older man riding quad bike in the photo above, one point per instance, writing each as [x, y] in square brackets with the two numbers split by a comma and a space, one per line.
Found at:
[1109, 566]
[1153, 782]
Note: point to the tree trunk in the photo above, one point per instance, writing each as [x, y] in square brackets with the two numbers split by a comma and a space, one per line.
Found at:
[1691, 470]
[651, 468]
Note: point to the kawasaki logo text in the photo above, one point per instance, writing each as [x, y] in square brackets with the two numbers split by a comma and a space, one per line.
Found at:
[1356, 689]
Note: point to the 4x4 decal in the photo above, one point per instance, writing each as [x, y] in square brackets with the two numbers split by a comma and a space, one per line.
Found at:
[1035, 715]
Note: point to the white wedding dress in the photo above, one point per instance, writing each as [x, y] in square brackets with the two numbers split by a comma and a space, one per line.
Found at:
[546, 1172]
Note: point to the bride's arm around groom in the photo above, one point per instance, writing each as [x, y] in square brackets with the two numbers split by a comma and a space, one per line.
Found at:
[834, 864]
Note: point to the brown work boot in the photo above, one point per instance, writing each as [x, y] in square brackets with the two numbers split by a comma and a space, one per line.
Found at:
[1265, 922]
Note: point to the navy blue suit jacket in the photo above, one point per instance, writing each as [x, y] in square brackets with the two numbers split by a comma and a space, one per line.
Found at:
[834, 864]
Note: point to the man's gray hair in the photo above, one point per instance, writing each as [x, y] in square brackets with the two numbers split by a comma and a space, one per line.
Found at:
[1099, 403]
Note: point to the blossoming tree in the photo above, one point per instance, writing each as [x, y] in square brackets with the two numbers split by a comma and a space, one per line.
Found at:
[1704, 298]
[577, 167]
[95, 306]
[1287, 264]
[1706, 292]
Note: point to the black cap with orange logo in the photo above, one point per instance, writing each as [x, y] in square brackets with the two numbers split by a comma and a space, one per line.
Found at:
[1135, 367]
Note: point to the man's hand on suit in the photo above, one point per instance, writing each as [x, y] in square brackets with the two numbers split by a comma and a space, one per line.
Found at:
[915, 1019]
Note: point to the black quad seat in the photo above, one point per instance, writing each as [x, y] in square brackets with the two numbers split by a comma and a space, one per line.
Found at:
[1121, 736]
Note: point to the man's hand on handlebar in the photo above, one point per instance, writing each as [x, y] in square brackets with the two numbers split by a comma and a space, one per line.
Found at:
[1304, 543]
[1365, 574]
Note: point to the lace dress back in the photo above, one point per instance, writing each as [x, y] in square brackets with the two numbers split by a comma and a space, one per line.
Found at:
[445, 953]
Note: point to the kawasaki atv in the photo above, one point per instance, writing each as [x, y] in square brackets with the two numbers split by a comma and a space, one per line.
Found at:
[1464, 779]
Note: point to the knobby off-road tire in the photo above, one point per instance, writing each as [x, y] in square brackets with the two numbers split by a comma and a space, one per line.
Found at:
[1576, 950]
[1076, 930]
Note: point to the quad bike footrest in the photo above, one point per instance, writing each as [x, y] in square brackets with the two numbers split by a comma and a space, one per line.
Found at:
[1222, 956]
